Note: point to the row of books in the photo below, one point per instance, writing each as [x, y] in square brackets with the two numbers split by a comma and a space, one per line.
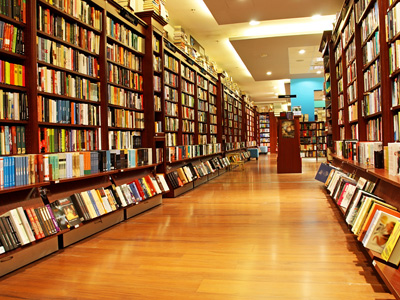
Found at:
[11, 38]
[19, 226]
[13, 105]
[67, 112]
[191, 151]
[125, 35]
[187, 138]
[125, 118]
[122, 56]
[35, 168]
[171, 63]
[171, 109]
[124, 139]
[11, 73]
[62, 83]
[375, 222]
[12, 140]
[171, 94]
[59, 27]
[187, 73]
[14, 9]
[67, 140]
[54, 53]
[125, 98]
[361, 152]
[81, 10]
[190, 172]
[125, 77]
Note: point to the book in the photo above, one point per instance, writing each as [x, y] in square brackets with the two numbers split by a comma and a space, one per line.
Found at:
[379, 231]
[391, 251]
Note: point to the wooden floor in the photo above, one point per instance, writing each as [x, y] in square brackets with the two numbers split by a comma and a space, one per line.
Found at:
[248, 234]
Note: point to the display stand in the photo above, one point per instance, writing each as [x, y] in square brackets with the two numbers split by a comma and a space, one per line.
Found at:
[289, 160]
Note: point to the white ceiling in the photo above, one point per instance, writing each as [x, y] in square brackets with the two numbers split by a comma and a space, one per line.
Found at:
[247, 52]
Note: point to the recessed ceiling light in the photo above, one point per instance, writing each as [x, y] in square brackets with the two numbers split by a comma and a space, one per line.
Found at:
[254, 22]
[274, 87]
[269, 73]
[319, 72]
[264, 55]
[302, 51]
[316, 17]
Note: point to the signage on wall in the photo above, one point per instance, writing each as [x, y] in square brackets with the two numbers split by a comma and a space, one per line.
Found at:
[287, 96]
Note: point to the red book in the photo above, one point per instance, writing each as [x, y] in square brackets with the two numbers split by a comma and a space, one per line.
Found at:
[40, 168]
[139, 188]
[13, 146]
[150, 185]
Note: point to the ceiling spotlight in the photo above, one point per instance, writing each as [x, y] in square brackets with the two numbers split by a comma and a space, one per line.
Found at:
[274, 87]
[319, 72]
[254, 22]
[316, 17]
[269, 73]
[302, 51]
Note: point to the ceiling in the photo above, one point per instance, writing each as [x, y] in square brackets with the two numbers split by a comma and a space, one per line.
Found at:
[248, 52]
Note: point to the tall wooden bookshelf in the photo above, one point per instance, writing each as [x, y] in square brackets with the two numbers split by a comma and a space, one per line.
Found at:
[312, 139]
[102, 85]
[361, 74]
[265, 131]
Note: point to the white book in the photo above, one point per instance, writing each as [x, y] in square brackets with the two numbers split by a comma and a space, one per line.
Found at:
[121, 196]
[18, 226]
[393, 150]
[24, 219]
[156, 186]
[163, 182]
[379, 231]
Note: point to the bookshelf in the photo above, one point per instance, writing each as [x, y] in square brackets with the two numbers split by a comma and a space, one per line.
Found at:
[250, 125]
[213, 110]
[313, 141]
[371, 87]
[265, 131]
[106, 98]
[13, 91]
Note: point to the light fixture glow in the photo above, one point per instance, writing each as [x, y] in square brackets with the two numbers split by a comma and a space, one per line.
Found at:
[254, 22]
[302, 51]
[319, 72]
[316, 17]
[269, 73]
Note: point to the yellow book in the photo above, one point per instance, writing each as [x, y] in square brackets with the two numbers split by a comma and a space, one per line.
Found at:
[391, 252]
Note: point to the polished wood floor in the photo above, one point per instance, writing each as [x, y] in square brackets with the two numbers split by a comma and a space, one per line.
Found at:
[248, 234]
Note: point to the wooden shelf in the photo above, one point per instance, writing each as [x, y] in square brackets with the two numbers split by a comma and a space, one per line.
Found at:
[9, 20]
[125, 87]
[50, 95]
[371, 35]
[13, 122]
[51, 66]
[22, 187]
[48, 124]
[371, 62]
[124, 129]
[12, 55]
[125, 67]
[374, 115]
[125, 108]
[13, 87]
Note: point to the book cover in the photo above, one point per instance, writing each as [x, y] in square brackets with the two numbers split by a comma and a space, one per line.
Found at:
[379, 232]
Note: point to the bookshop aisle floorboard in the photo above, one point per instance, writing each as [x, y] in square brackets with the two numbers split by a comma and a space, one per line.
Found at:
[245, 235]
